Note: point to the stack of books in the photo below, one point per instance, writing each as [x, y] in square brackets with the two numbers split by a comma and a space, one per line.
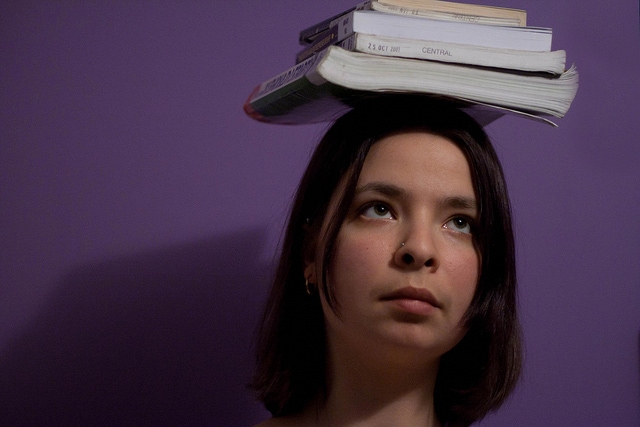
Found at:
[483, 57]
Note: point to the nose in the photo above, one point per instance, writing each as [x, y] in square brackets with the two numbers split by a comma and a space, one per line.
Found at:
[418, 249]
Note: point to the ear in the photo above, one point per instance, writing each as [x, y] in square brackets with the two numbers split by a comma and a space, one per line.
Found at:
[309, 253]
[310, 272]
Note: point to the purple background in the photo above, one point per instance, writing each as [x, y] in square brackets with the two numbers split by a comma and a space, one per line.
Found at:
[140, 211]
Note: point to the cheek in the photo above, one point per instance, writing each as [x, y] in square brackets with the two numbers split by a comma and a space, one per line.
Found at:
[464, 271]
[357, 262]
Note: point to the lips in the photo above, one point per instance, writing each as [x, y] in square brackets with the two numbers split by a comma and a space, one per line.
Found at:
[410, 293]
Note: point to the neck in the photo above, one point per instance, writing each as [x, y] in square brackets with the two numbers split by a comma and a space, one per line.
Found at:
[378, 387]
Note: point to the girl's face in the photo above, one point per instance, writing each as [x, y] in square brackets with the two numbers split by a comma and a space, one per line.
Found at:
[405, 267]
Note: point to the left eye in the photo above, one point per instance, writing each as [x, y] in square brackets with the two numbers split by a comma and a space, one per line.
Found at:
[459, 224]
[377, 210]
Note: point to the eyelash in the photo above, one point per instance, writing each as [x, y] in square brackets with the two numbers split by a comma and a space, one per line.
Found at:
[362, 211]
[469, 222]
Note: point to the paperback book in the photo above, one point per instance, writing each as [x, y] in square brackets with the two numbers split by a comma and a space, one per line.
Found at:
[536, 39]
[538, 62]
[326, 84]
[434, 9]
[462, 11]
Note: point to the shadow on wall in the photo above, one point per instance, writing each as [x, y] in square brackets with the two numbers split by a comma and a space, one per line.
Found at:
[157, 339]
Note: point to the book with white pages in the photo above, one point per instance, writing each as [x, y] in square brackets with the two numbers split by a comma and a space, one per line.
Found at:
[420, 28]
[552, 62]
[321, 87]
[433, 9]
[453, 11]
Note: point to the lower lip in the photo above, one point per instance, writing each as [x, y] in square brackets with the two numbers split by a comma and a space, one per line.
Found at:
[413, 306]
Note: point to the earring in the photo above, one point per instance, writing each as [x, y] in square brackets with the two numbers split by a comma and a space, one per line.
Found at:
[306, 286]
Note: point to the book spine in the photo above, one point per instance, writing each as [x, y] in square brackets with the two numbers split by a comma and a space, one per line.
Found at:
[310, 35]
[302, 102]
[340, 29]
[328, 38]
[349, 43]
[285, 78]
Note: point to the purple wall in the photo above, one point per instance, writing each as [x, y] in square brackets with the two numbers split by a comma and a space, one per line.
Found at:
[141, 209]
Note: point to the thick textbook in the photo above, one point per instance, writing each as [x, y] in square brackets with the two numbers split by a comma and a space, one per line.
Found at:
[543, 62]
[419, 28]
[463, 11]
[326, 84]
[450, 11]
[434, 9]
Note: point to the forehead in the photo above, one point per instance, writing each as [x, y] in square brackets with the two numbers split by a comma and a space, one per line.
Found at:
[418, 159]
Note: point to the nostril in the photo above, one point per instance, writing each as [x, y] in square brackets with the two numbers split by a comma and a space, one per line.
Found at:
[429, 262]
[407, 259]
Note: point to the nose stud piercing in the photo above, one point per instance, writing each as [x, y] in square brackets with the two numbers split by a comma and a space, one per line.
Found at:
[402, 244]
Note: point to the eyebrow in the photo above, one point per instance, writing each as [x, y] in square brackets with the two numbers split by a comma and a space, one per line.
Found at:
[458, 202]
[390, 190]
[382, 188]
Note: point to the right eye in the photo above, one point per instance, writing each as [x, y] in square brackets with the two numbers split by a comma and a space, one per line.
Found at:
[377, 210]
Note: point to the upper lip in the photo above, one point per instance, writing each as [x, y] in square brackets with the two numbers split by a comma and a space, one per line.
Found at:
[410, 292]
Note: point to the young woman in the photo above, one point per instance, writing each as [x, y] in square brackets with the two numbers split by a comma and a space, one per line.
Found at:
[394, 302]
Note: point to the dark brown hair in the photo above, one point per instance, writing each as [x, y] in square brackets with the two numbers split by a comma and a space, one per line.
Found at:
[478, 374]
